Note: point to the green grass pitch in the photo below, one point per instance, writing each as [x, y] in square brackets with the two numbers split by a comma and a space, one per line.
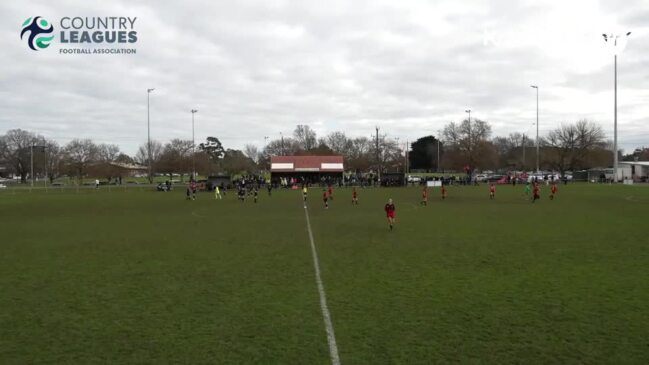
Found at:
[133, 276]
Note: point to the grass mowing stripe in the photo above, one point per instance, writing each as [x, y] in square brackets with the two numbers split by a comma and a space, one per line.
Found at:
[331, 337]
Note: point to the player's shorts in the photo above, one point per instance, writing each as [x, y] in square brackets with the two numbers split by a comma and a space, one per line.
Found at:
[537, 196]
[390, 215]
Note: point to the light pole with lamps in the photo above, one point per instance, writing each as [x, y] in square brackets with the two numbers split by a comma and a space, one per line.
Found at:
[537, 126]
[148, 132]
[613, 38]
[470, 147]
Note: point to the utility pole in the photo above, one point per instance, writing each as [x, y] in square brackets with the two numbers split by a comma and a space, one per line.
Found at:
[282, 137]
[378, 158]
[470, 147]
[523, 152]
[407, 161]
[437, 154]
[193, 147]
[148, 129]
[32, 162]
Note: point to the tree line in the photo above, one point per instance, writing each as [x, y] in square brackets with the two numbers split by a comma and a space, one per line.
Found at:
[571, 146]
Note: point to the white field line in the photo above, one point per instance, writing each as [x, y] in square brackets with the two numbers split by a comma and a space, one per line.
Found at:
[331, 337]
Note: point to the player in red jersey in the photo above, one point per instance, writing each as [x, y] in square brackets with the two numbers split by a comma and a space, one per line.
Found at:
[492, 191]
[390, 213]
[354, 197]
[424, 196]
[553, 190]
[325, 199]
[330, 192]
[443, 191]
[536, 192]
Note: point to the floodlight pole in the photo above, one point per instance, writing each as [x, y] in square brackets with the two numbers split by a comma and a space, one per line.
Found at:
[615, 117]
[537, 127]
[148, 129]
[405, 166]
[378, 156]
[397, 139]
[32, 163]
[614, 38]
[470, 147]
[193, 147]
[523, 151]
[281, 135]
[439, 135]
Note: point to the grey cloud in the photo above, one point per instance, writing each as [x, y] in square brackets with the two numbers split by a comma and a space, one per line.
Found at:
[255, 69]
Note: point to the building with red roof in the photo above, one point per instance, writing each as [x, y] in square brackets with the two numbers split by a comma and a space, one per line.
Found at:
[309, 168]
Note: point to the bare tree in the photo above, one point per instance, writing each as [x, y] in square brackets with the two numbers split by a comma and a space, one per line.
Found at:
[79, 153]
[107, 152]
[305, 137]
[142, 154]
[176, 157]
[279, 147]
[17, 151]
[468, 143]
[571, 144]
[252, 152]
[338, 142]
[53, 160]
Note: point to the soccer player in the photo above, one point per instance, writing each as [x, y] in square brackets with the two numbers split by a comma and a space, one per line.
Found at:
[354, 197]
[492, 191]
[390, 213]
[528, 190]
[536, 192]
[304, 193]
[443, 191]
[424, 196]
[256, 195]
[269, 186]
[553, 189]
[193, 185]
[325, 199]
[241, 194]
[330, 192]
[217, 193]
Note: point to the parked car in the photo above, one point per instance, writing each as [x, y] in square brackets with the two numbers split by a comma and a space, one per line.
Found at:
[481, 177]
[494, 178]
[3, 186]
[414, 179]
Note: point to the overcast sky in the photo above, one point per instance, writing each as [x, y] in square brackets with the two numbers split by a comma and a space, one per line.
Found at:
[258, 68]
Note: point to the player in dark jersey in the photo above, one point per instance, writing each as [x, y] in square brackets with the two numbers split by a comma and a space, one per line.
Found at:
[354, 197]
[390, 213]
[443, 191]
[256, 195]
[193, 186]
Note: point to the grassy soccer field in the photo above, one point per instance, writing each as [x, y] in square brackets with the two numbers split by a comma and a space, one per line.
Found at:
[139, 276]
